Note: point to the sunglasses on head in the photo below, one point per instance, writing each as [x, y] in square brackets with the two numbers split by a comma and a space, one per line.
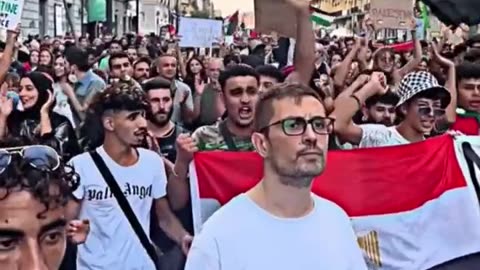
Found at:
[40, 157]
[427, 111]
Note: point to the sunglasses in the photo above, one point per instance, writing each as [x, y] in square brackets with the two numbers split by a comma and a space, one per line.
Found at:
[40, 157]
[427, 111]
[296, 126]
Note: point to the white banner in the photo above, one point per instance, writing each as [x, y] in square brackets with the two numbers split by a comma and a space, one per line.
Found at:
[199, 33]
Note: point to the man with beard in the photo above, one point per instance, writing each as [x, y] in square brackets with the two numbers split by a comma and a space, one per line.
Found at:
[165, 132]
[160, 125]
[140, 174]
[380, 109]
[183, 105]
[141, 70]
[275, 225]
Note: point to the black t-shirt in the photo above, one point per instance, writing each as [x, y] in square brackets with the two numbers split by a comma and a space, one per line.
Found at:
[167, 148]
[167, 144]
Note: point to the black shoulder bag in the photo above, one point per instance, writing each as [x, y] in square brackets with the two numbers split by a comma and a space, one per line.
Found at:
[227, 136]
[126, 208]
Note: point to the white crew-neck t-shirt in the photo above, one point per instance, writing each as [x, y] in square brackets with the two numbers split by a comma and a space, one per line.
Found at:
[243, 236]
[375, 135]
[112, 244]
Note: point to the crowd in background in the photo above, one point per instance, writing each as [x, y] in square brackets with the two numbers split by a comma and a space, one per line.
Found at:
[111, 93]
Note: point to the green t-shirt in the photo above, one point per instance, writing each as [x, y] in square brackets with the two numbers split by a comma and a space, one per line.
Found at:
[209, 138]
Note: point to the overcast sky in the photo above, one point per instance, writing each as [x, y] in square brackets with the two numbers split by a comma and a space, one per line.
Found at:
[230, 6]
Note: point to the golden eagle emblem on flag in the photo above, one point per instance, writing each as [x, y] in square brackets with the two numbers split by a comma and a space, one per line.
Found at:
[369, 244]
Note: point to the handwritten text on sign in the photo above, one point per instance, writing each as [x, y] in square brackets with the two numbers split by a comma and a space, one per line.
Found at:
[10, 13]
[199, 33]
[395, 14]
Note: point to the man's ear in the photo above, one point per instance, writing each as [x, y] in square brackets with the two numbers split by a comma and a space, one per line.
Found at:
[107, 122]
[404, 109]
[364, 112]
[260, 143]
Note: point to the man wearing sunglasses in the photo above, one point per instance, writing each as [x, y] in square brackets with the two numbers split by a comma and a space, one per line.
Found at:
[35, 186]
[422, 104]
[270, 226]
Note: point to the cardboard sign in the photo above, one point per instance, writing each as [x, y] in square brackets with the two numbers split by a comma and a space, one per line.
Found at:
[10, 13]
[393, 14]
[277, 16]
[199, 33]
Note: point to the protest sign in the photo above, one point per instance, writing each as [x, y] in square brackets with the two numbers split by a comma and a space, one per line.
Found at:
[395, 14]
[277, 16]
[10, 13]
[199, 33]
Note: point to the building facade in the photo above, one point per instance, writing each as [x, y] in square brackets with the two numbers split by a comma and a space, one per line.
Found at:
[48, 17]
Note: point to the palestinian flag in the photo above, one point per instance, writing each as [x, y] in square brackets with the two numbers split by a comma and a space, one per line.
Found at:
[412, 207]
[321, 17]
[231, 23]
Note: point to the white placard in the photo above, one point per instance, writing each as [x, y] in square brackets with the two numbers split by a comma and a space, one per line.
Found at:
[10, 13]
[199, 33]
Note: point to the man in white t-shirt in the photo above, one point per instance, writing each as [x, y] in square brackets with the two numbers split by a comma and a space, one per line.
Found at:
[422, 105]
[140, 173]
[279, 224]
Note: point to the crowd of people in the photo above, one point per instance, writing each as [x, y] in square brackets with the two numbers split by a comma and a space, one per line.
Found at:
[142, 107]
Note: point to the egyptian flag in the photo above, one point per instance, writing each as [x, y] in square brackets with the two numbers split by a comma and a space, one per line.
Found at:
[413, 207]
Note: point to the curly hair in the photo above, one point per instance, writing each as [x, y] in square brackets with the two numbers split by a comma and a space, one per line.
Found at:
[120, 96]
[51, 188]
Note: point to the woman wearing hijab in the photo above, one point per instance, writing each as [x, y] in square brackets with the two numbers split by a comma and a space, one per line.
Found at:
[38, 120]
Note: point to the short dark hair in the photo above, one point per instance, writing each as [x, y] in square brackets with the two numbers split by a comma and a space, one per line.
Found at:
[468, 70]
[78, 57]
[230, 58]
[473, 39]
[473, 55]
[115, 42]
[389, 98]
[114, 56]
[264, 108]
[119, 97]
[142, 60]
[270, 71]
[157, 61]
[21, 176]
[237, 71]
[158, 83]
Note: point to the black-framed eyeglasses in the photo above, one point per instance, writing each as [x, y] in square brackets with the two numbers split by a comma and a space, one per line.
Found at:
[40, 157]
[426, 111]
[295, 126]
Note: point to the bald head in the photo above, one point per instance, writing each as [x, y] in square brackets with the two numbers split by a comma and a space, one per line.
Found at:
[215, 66]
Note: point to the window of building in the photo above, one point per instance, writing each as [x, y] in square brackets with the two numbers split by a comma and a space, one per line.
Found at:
[43, 17]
